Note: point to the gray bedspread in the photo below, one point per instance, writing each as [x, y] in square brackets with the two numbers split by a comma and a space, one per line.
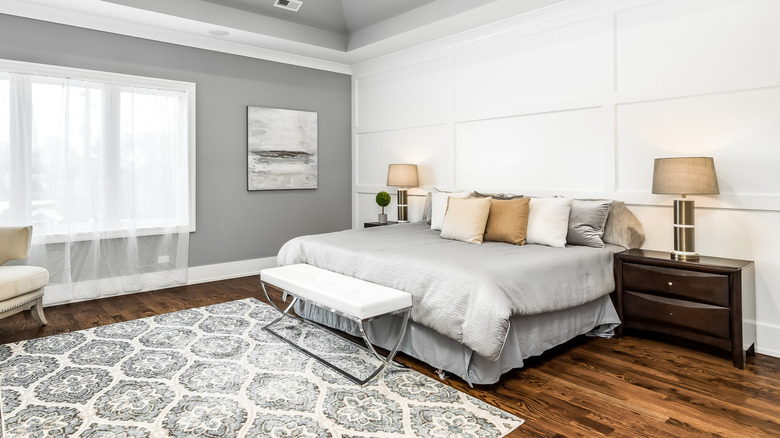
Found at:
[464, 291]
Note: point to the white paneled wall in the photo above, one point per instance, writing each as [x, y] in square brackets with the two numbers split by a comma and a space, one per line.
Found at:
[524, 152]
[542, 66]
[578, 99]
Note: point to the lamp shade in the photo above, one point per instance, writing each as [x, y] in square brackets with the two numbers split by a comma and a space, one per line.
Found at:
[402, 175]
[685, 176]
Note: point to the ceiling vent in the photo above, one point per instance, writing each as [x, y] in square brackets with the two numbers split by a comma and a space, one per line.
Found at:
[290, 5]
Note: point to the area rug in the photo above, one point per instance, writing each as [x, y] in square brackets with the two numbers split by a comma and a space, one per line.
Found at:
[213, 372]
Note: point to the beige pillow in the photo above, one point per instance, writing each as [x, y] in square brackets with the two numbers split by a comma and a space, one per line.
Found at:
[508, 221]
[623, 228]
[465, 219]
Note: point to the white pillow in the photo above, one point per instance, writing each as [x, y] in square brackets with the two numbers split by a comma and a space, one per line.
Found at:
[548, 221]
[439, 206]
[466, 219]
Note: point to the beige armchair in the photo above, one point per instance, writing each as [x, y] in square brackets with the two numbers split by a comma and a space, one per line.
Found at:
[21, 287]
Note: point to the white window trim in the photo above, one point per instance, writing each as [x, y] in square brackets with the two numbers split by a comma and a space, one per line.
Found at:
[127, 80]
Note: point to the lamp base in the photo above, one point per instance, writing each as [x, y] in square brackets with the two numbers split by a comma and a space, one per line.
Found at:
[685, 257]
[684, 241]
[403, 208]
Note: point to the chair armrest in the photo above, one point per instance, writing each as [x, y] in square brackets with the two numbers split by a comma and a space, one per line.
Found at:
[14, 243]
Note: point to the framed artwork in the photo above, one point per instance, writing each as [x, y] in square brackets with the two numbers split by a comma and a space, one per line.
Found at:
[281, 149]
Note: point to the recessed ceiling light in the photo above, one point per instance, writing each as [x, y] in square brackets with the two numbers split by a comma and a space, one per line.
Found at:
[219, 32]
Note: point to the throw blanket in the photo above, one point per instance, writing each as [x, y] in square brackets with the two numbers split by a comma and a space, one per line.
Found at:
[464, 291]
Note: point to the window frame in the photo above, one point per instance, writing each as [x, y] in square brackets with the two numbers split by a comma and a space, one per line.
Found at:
[120, 79]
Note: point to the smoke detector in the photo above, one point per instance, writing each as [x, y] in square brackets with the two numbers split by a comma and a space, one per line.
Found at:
[290, 5]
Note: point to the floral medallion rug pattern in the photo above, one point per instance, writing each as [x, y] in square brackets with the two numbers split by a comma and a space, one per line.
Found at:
[213, 372]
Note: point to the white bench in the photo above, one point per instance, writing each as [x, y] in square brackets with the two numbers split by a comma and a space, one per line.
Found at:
[358, 300]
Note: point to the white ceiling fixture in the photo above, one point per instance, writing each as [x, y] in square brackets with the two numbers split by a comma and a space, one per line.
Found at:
[290, 5]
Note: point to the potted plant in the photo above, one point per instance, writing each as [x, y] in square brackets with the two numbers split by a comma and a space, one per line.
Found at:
[383, 200]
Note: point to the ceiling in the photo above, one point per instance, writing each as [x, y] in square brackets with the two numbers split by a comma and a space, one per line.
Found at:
[340, 16]
[326, 34]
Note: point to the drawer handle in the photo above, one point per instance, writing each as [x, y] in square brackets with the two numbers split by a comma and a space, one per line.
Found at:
[670, 283]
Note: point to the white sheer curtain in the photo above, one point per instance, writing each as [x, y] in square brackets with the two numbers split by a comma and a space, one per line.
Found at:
[101, 171]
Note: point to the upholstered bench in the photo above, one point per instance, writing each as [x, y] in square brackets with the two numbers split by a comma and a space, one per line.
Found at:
[358, 300]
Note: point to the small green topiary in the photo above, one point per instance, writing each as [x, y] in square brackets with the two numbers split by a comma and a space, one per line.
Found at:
[383, 200]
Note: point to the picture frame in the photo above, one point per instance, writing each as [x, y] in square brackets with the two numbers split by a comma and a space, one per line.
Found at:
[281, 149]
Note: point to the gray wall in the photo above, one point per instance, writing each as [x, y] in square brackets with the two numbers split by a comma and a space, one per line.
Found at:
[232, 223]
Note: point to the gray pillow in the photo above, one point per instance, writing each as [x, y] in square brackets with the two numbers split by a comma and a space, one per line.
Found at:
[501, 196]
[426, 216]
[587, 221]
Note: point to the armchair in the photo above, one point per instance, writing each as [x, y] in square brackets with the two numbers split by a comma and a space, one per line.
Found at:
[21, 287]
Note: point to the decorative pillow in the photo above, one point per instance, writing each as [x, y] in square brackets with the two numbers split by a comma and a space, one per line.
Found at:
[439, 206]
[623, 228]
[502, 196]
[548, 221]
[508, 221]
[426, 216]
[587, 221]
[465, 219]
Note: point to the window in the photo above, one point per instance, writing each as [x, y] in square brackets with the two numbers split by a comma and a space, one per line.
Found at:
[95, 153]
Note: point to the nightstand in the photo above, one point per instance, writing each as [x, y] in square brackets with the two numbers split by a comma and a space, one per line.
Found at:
[711, 301]
[377, 224]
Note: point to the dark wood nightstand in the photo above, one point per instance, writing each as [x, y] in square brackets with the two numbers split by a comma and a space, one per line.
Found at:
[712, 301]
[377, 224]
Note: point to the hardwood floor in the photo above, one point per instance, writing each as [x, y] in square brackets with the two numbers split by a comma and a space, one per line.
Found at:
[588, 387]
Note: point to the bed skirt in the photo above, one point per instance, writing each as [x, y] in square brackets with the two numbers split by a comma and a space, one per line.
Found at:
[528, 336]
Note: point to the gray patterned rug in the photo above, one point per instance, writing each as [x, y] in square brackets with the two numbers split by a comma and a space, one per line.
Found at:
[212, 372]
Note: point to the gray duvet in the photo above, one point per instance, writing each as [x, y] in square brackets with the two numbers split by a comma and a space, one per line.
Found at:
[464, 291]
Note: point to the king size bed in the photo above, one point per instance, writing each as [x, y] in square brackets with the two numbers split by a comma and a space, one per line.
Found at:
[478, 310]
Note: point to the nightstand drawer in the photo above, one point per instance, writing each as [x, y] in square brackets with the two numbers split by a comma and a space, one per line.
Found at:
[699, 286]
[686, 315]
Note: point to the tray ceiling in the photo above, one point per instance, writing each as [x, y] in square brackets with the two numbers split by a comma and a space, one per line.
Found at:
[325, 34]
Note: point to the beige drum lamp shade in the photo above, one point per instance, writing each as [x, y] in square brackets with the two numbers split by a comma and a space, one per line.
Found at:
[685, 176]
[402, 175]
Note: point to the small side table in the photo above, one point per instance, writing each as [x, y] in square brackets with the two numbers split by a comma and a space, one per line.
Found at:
[711, 301]
[377, 224]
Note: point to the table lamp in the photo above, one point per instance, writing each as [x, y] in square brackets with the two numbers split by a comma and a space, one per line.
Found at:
[684, 176]
[402, 176]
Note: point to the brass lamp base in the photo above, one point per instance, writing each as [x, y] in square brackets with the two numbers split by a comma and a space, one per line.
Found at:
[684, 248]
[403, 207]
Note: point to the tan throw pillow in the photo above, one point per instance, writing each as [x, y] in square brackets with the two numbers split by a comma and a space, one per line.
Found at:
[508, 221]
[465, 219]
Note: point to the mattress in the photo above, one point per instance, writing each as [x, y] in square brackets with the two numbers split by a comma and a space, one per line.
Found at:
[465, 292]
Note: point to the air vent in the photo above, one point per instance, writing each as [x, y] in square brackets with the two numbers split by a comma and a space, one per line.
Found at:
[290, 5]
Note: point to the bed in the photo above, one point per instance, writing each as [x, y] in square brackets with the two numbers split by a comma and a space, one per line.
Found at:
[478, 310]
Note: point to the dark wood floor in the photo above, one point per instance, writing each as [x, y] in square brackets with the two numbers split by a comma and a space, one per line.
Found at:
[630, 387]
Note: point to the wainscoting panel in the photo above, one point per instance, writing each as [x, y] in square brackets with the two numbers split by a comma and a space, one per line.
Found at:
[676, 41]
[741, 130]
[555, 64]
[427, 147]
[581, 102]
[416, 95]
[553, 151]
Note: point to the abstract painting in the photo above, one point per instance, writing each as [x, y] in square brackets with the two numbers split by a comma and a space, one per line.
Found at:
[281, 149]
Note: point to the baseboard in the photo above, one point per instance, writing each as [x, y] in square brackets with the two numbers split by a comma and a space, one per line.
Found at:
[224, 271]
[768, 339]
